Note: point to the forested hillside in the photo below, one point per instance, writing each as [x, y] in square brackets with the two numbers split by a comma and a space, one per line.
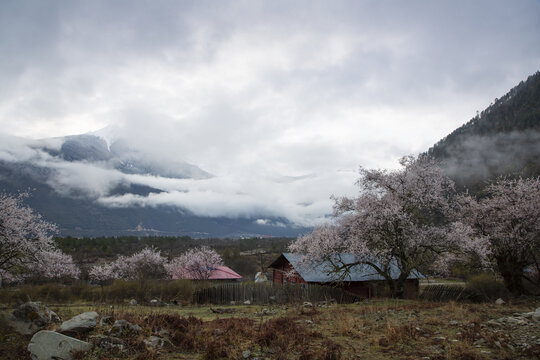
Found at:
[502, 140]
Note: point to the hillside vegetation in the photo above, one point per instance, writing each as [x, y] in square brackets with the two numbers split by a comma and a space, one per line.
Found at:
[504, 139]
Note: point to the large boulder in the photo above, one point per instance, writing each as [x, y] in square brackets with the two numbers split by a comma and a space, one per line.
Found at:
[31, 317]
[81, 323]
[50, 345]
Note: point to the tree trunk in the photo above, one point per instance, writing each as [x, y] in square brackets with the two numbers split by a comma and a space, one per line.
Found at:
[397, 288]
[512, 273]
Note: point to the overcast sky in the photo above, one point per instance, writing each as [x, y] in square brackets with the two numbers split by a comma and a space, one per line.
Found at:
[259, 90]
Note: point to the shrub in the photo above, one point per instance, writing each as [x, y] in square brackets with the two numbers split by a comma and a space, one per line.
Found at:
[485, 287]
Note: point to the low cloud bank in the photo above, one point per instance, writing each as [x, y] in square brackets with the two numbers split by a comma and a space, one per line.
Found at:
[303, 200]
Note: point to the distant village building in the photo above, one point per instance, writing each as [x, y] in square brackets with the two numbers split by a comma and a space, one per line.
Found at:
[362, 281]
[218, 273]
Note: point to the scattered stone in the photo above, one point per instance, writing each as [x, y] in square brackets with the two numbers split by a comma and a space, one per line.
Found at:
[106, 320]
[516, 320]
[500, 301]
[123, 327]
[309, 322]
[439, 339]
[31, 317]
[307, 304]
[132, 302]
[246, 354]
[222, 311]
[247, 302]
[453, 322]
[107, 342]
[156, 302]
[47, 345]
[218, 332]
[154, 342]
[81, 323]
[536, 315]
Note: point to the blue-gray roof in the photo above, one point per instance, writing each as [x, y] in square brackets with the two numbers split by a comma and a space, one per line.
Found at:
[321, 271]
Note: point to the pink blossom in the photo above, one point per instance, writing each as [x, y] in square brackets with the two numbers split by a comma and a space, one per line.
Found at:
[26, 245]
[195, 263]
[507, 216]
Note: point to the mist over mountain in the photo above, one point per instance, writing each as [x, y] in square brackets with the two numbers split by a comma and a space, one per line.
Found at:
[73, 179]
[502, 140]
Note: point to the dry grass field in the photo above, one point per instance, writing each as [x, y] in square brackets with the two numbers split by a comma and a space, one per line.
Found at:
[385, 329]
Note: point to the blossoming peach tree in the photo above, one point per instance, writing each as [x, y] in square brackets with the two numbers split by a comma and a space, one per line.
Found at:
[145, 264]
[27, 249]
[401, 221]
[196, 263]
[507, 215]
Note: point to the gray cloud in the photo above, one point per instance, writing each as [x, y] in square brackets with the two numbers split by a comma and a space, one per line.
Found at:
[252, 91]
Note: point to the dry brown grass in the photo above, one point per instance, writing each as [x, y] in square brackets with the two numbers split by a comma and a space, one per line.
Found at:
[376, 331]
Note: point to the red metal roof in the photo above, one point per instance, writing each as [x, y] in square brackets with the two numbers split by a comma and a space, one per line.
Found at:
[218, 273]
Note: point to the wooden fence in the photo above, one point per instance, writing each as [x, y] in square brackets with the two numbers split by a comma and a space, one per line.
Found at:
[265, 293]
[444, 293]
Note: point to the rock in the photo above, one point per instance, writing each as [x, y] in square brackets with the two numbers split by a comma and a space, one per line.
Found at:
[499, 301]
[439, 339]
[106, 320]
[233, 303]
[222, 311]
[123, 327]
[48, 345]
[309, 322]
[247, 302]
[81, 323]
[307, 304]
[107, 342]
[31, 317]
[156, 302]
[516, 320]
[132, 302]
[272, 299]
[218, 332]
[536, 315]
[154, 342]
[528, 315]
[453, 322]
[246, 354]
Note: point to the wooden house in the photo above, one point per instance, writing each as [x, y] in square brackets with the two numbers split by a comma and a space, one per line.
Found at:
[361, 281]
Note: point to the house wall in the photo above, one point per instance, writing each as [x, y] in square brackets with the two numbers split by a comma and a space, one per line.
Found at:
[280, 277]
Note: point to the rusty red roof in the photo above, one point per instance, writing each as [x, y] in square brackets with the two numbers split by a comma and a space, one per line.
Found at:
[218, 273]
